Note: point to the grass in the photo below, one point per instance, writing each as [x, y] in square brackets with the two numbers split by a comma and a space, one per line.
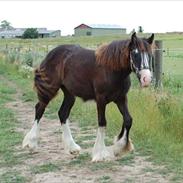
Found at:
[83, 141]
[130, 180]
[81, 160]
[104, 179]
[128, 159]
[11, 72]
[169, 40]
[48, 167]
[9, 137]
[12, 177]
[103, 166]
[158, 132]
[8, 123]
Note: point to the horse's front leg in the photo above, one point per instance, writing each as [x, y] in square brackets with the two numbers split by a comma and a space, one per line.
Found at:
[100, 152]
[123, 143]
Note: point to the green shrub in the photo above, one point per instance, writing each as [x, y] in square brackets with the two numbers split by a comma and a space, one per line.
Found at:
[30, 33]
[28, 59]
[12, 56]
[26, 71]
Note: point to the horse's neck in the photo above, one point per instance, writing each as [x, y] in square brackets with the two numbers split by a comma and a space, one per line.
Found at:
[123, 73]
[118, 76]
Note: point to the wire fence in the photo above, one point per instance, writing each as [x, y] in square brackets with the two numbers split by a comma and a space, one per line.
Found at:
[33, 54]
[28, 57]
[178, 52]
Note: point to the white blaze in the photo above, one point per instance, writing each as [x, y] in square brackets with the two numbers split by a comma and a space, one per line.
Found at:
[145, 74]
[144, 62]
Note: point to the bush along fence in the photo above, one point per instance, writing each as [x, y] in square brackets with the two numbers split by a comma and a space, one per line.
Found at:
[32, 55]
[26, 58]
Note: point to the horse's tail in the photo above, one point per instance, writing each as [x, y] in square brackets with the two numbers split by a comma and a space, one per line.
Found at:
[44, 85]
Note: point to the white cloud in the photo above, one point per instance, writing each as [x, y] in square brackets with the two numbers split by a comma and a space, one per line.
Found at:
[153, 16]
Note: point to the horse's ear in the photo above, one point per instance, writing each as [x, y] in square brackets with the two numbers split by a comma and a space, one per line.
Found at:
[133, 39]
[150, 39]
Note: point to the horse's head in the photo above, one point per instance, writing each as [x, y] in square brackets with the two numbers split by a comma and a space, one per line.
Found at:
[141, 58]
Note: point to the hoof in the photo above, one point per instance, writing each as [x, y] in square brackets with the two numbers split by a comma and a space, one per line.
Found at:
[120, 148]
[75, 149]
[31, 139]
[102, 156]
[72, 148]
[30, 142]
[130, 147]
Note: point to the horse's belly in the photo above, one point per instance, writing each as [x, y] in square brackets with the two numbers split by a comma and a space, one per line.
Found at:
[80, 89]
[85, 96]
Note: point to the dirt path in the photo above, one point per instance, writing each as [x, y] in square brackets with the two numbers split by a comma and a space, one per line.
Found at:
[52, 165]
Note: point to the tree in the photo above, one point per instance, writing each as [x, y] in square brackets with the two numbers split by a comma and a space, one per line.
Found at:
[140, 29]
[30, 33]
[5, 25]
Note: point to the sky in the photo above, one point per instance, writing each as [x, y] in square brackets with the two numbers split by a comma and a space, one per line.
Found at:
[153, 16]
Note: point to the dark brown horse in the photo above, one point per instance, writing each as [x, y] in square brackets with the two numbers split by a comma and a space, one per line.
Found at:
[101, 75]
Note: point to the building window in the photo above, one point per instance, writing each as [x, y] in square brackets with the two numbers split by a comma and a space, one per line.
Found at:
[88, 33]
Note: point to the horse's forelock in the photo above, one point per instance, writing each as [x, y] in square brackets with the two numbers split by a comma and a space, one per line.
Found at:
[142, 45]
[113, 55]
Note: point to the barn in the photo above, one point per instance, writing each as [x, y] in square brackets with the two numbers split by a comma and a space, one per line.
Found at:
[18, 32]
[98, 30]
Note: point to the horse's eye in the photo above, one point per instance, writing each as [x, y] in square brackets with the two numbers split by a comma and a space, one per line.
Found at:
[136, 55]
[135, 51]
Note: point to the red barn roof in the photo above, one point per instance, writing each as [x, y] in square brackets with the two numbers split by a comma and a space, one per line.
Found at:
[82, 26]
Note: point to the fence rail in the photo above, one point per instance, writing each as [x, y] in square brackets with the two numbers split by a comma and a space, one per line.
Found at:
[33, 54]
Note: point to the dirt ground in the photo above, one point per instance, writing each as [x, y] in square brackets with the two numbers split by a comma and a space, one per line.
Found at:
[66, 168]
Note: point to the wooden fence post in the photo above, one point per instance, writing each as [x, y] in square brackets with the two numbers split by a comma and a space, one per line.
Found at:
[168, 52]
[47, 49]
[158, 63]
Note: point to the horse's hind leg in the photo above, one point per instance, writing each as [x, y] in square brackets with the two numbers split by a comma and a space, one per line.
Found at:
[64, 111]
[123, 143]
[31, 138]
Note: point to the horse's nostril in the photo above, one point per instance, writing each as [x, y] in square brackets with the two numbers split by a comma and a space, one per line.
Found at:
[144, 79]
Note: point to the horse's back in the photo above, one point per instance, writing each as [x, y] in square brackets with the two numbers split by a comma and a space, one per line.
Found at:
[79, 70]
[59, 53]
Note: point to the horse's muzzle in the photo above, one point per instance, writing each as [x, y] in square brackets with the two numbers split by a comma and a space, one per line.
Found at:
[145, 77]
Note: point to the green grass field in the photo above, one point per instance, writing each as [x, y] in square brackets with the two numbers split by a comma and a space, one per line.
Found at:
[158, 119]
